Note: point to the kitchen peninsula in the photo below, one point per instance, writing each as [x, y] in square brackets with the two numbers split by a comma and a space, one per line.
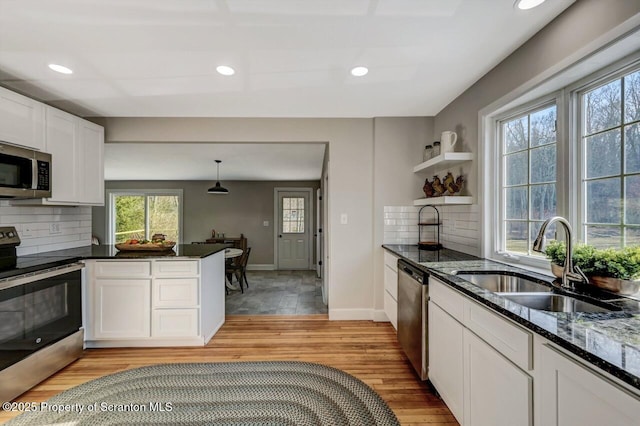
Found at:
[144, 299]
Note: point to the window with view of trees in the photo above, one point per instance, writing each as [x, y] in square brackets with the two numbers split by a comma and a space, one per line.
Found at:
[602, 195]
[139, 215]
[528, 173]
[610, 145]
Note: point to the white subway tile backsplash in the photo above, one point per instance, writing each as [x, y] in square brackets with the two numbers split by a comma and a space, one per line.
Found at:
[33, 225]
[460, 228]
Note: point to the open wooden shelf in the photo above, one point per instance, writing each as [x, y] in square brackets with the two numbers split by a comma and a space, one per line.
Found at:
[447, 159]
[445, 200]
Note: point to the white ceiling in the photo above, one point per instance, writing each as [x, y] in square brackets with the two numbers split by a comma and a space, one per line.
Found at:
[157, 58]
[196, 161]
[292, 57]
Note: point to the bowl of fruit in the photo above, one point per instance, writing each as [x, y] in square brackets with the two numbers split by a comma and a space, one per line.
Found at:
[155, 244]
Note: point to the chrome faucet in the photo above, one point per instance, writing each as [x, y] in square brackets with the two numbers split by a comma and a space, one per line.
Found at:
[570, 273]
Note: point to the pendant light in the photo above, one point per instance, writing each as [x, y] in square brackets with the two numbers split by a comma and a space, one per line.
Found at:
[218, 189]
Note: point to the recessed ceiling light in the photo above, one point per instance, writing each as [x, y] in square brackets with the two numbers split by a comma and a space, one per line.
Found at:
[359, 71]
[61, 69]
[225, 70]
[528, 4]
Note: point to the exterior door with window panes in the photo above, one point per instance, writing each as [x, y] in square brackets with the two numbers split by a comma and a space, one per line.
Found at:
[293, 230]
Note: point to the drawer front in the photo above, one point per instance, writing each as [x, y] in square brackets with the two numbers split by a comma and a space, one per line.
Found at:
[175, 323]
[116, 269]
[391, 309]
[448, 299]
[175, 268]
[391, 261]
[511, 341]
[175, 292]
[391, 282]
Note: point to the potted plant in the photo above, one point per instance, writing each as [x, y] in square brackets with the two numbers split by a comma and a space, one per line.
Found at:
[612, 269]
[556, 253]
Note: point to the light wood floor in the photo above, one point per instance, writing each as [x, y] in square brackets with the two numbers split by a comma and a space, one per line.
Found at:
[365, 349]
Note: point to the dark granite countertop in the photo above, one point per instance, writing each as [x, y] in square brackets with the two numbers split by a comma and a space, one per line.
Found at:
[51, 259]
[111, 252]
[610, 341]
[415, 255]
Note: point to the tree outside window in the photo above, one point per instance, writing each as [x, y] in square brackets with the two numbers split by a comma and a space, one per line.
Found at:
[140, 215]
[528, 181]
[610, 143]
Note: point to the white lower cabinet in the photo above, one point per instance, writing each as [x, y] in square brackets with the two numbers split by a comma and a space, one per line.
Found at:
[491, 371]
[122, 308]
[391, 288]
[480, 385]
[446, 358]
[572, 395]
[496, 392]
[175, 323]
[153, 302]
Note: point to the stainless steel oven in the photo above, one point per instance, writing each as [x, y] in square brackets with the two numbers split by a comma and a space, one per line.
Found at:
[40, 326]
[24, 173]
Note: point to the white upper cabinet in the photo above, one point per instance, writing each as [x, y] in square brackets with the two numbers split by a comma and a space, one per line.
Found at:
[91, 165]
[77, 160]
[21, 120]
[62, 144]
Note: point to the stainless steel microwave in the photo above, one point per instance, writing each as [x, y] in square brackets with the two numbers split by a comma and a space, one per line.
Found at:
[24, 173]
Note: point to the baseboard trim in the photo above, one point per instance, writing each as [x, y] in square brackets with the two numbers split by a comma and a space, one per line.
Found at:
[350, 314]
[261, 267]
[380, 316]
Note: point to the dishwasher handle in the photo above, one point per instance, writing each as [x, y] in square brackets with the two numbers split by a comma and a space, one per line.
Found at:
[415, 275]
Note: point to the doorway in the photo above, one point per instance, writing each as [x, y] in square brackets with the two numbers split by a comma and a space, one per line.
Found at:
[293, 213]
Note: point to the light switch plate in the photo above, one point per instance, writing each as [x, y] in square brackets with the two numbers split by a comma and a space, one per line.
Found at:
[265, 223]
[344, 219]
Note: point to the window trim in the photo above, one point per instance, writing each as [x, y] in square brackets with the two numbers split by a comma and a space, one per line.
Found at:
[621, 54]
[110, 208]
[494, 155]
[575, 91]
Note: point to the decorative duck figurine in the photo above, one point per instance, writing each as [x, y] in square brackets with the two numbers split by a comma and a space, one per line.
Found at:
[453, 186]
[427, 188]
[438, 188]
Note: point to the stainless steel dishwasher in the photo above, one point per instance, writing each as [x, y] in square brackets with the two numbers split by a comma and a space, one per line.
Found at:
[413, 296]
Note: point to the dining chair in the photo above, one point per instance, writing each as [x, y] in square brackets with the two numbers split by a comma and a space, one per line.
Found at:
[239, 269]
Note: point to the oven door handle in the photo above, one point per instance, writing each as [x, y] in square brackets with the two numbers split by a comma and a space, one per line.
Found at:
[39, 275]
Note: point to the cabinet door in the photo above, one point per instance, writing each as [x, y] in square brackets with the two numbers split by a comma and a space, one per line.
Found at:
[175, 292]
[122, 308]
[21, 120]
[391, 309]
[391, 295]
[496, 391]
[175, 323]
[446, 358]
[571, 394]
[91, 163]
[62, 144]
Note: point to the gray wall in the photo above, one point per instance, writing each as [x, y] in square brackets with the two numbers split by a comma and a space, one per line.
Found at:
[580, 30]
[244, 210]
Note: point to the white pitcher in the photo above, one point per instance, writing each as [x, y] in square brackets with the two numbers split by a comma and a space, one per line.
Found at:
[448, 140]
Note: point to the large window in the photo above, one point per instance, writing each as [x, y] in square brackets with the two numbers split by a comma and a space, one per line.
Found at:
[610, 147]
[528, 176]
[585, 168]
[140, 214]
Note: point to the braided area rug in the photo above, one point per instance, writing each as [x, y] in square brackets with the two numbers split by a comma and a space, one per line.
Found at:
[230, 393]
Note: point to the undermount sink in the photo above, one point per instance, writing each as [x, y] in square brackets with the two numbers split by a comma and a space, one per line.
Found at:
[553, 302]
[502, 283]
